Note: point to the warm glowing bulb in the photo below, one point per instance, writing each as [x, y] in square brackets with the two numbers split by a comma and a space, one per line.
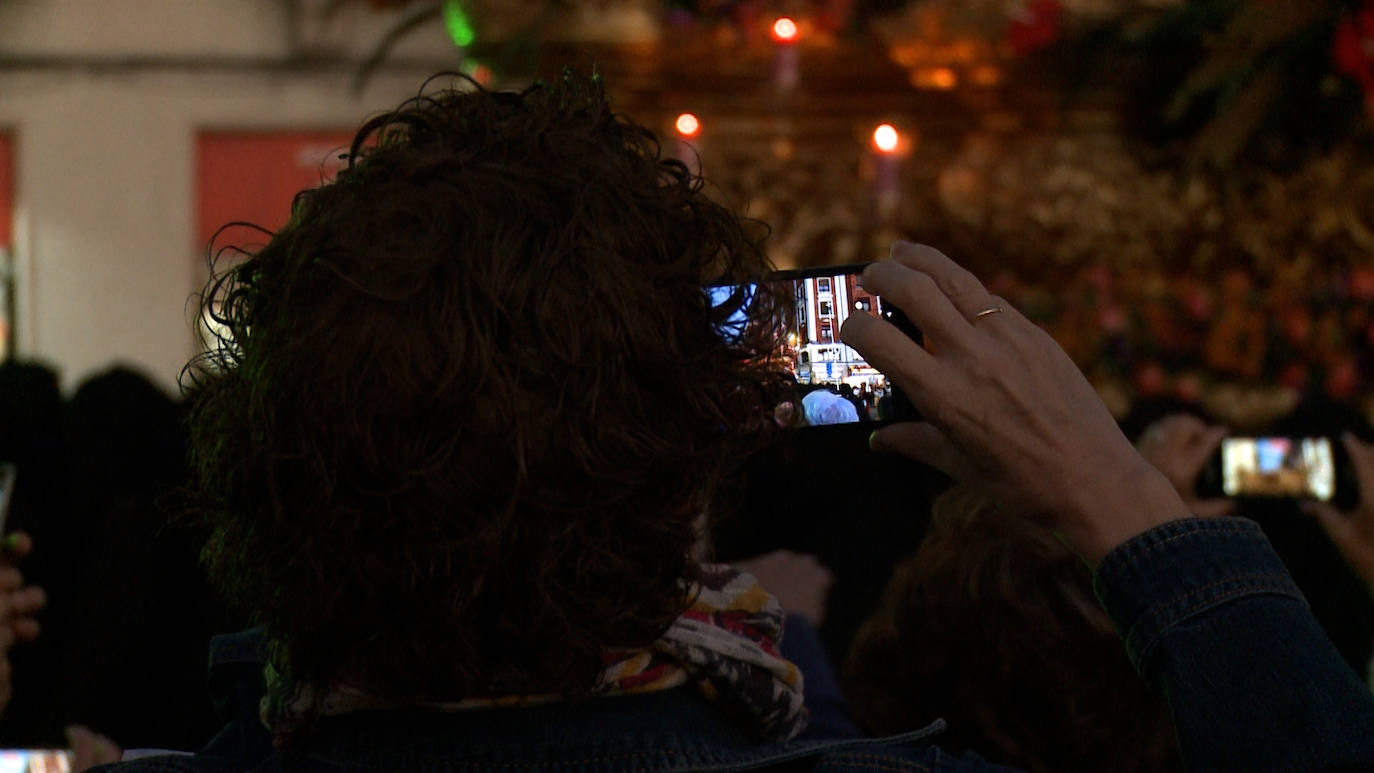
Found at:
[784, 30]
[688, 125]
[935, 78]
[885, 138]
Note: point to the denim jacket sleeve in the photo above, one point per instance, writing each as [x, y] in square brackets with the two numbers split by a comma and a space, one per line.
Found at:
[1211, 618]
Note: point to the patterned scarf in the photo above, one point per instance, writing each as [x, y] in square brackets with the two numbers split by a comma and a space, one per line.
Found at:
[726, 643]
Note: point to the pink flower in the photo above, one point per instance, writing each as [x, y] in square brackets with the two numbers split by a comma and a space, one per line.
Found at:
[1151, 380]
[1112, 319]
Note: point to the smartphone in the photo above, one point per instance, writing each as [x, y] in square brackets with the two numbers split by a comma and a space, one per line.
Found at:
[838, 385]
[1280, 467]
[7, 476]
[35, 761]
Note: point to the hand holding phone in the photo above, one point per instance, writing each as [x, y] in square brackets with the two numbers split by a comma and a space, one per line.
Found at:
[1007, 410]
[1352, 532]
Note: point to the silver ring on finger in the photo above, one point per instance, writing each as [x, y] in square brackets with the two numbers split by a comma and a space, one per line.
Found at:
[988, 312]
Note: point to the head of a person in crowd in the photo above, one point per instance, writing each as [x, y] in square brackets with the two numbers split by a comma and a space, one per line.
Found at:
[30, 410]
[467, 406]
[823, 406]
[126, 436]
[993, 625]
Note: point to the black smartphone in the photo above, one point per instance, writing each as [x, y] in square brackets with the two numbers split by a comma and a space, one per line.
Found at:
[1281, 467]
[837, 385]
[7, 476]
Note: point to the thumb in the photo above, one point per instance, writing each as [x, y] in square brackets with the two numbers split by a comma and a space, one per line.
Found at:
[925, 443]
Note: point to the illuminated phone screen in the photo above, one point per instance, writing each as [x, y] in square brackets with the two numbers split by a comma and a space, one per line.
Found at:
[839, 386]
[35, 761]
[1278, 467]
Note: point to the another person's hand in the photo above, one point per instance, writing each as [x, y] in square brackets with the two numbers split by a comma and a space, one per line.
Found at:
[18, 605]
[1353, 533]
[90, 748]
[1180, 445]
[800, 582]
[1006, 410]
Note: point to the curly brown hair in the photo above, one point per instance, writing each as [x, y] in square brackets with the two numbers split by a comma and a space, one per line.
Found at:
[993, 625]
[465, 407]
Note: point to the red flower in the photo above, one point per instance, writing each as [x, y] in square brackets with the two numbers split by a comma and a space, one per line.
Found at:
[1035, 26]
[1352, 50]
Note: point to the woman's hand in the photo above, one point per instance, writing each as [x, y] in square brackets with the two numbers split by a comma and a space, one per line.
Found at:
[1006, 410]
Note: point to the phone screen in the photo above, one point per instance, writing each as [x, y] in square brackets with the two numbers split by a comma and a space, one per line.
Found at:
[35, 761]
[839, 386]
[1278, 467]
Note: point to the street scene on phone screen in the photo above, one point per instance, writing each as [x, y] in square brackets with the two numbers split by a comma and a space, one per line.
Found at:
[844, 388]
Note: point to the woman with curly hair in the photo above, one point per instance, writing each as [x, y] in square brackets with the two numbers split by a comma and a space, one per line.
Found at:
[468, 404]
[464, 413]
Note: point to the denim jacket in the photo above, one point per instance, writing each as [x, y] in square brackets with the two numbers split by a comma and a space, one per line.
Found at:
[1207, 612]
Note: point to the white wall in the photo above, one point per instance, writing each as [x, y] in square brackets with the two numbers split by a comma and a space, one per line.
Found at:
[104, 194]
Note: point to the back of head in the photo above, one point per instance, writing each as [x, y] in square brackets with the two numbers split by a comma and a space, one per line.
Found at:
[30, 410]
[126, 437]
[470, 400]
[993, 625]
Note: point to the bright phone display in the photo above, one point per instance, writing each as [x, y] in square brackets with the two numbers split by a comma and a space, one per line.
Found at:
[1278, 467]
[35, 761]
[840, 386]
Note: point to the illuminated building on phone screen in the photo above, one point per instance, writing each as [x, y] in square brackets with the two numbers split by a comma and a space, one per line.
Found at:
[823, 304]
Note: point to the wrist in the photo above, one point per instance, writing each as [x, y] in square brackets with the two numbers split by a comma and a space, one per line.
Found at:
[1129, 504]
